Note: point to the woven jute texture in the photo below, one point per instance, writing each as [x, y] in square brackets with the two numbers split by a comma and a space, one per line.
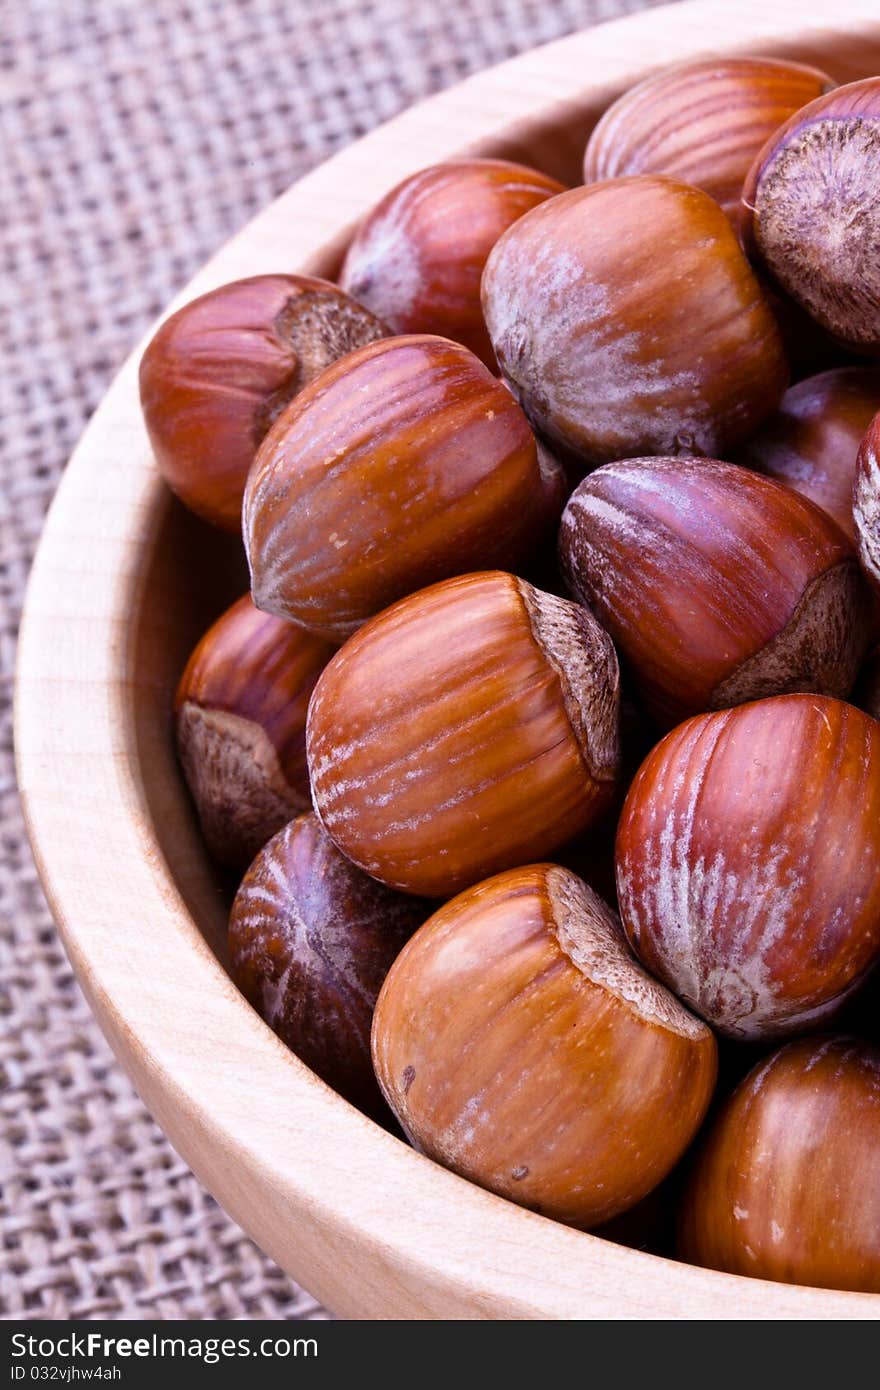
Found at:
[135, 139]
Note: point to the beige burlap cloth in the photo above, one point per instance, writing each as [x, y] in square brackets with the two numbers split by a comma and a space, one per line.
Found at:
[134, 139]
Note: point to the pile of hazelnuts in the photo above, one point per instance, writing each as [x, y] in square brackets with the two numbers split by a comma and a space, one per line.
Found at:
[548, 729]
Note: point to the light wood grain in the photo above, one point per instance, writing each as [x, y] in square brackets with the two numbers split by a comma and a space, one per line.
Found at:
[123, 584]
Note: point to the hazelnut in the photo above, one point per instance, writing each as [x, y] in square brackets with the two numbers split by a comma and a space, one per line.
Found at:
[866, 502]
[311, 939]
[519, 1043]
[399, 466]
[787, 1186]
[701, 122]
[812, 211]
[470, 727]
[614, 349]
[718, 585]
[417, 258]
[812, 441]
[216, 374]
[748, 862]
[240, 722]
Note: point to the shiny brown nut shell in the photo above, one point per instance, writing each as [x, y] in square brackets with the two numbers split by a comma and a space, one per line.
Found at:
[616, 348]
[470, 727]
[520, 1044]
[787, 1186]
[811, 206]
[748, 862]
[702, 122]
[812, 442]
[216, 374]
[404, 464]
[240, 724]
[311, 939]
[718, 585]
[417, 258]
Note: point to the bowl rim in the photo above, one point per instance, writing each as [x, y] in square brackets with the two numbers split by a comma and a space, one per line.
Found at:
[316, 1184]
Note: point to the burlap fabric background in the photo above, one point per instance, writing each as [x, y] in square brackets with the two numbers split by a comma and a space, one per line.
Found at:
[134, 139]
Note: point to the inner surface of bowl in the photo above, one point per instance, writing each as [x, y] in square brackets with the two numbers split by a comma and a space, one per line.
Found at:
[319, 1186]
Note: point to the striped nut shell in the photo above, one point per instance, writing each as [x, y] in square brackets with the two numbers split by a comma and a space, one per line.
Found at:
[787, 1185]
[403, 464]
[811, 205]
[240, 723]
[701, 122]
[748, 862]
[311, 939]
[866, 502]
[812, 442]
[417, 258]
[520, 1044]
[627, 321]
[718, 585]
[471, 727]
[216, 374]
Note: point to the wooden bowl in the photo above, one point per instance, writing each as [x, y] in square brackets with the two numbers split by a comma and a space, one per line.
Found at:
[123, 584]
